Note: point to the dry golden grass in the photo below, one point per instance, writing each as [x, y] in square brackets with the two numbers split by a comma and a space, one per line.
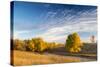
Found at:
[29, 58]
[58, 55]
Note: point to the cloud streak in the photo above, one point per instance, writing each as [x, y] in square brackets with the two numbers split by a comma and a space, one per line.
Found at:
[56, 24]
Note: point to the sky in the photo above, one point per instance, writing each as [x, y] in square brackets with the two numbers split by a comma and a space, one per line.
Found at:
[53, 22]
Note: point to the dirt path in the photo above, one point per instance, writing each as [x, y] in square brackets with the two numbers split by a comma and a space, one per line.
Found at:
[81, 58]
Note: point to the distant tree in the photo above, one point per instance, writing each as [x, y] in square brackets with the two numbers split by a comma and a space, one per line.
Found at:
[18, 45]
[30, 45]
[92, 39]
[39, 44]
[73, 43]
[52, 45]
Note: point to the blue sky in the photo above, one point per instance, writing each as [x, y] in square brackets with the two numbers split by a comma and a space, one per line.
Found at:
[53, 22]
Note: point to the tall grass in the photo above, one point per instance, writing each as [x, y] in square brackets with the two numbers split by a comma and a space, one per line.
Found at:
[29, 58]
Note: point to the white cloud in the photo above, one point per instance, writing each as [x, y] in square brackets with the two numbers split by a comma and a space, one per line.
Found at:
[17, 34]
[83, 22]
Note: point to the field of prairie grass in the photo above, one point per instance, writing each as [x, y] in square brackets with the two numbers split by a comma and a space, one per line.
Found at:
[52, 57]
[29, 58]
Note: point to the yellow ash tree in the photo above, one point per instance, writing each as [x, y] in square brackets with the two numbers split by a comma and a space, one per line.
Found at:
[39, 44]
[30, 46]
[73, 43]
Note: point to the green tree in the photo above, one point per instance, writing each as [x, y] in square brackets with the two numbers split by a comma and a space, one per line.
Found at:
[73, 43]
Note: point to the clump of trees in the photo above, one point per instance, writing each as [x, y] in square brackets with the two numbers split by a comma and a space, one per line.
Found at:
[35, 44]
[18, 45]
[73, 43]
[29, 45]
[39, 44]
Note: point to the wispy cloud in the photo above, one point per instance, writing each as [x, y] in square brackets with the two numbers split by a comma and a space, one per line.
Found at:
[55, 24]
[87, 22]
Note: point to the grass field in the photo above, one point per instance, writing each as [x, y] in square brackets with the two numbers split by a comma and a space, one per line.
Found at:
[29, 58]
[58, 55]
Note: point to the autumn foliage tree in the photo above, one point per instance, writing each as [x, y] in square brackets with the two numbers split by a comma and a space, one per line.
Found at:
[19, 45]
[39, 44]
[30, 46]
[73, 43]
[34, 45]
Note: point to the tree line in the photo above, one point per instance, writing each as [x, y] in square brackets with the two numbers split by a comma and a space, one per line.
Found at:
[73, 44]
